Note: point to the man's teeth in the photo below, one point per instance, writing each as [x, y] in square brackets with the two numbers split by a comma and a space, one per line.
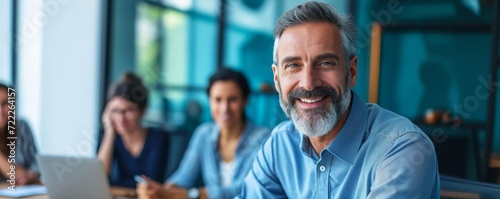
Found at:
[311, 100]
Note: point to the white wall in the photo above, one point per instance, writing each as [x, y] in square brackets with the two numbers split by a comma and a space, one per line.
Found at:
[59, 73]
[5, 38]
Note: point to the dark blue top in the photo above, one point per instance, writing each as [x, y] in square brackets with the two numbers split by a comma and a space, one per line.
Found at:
[152, 161]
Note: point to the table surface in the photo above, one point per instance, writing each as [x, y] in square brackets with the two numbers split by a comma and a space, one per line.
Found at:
[117, 192]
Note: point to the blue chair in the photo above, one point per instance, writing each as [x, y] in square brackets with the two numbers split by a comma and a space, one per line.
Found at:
[452, 187]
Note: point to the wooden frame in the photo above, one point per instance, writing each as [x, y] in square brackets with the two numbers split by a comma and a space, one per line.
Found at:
[375, 46]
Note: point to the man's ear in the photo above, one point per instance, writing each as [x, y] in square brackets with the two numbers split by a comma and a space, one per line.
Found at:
[275, 73]
[353, 71]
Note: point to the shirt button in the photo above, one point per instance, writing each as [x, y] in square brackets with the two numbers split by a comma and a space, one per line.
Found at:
[322, 168]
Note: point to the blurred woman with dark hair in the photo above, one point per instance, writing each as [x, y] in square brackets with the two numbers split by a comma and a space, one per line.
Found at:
[26, 168]
[127, 148]
[222, 150]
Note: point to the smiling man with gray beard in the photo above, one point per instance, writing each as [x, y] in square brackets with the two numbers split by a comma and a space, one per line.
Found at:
[336, 145]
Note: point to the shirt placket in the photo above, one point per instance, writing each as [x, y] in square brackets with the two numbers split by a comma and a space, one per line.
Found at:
[323, 173]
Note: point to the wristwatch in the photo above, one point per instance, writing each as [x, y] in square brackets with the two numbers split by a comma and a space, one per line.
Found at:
[193, 193]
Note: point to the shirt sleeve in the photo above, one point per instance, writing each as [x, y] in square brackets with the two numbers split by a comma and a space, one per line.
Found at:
[223, 192]
[261, 181]
[26, 147]
[407, 170]
[189, 168]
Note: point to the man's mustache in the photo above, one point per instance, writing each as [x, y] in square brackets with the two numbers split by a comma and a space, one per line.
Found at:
[316, 92]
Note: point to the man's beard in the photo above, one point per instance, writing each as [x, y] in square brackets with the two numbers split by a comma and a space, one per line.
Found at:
[318, 121]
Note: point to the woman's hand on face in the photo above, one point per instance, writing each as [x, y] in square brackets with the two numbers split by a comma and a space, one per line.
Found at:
[106, 120]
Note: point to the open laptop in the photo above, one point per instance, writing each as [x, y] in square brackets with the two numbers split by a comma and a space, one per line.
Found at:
[74, 177]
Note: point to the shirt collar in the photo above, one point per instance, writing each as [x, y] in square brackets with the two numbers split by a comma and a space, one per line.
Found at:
[347, 143]
[214, 136]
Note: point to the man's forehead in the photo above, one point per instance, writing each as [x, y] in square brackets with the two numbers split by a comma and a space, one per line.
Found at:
[321, 36]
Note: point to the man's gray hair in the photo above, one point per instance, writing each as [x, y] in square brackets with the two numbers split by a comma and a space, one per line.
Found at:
[313, 11]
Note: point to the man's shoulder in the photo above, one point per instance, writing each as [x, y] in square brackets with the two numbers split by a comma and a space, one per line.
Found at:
[256, 135]
[285, 132]
[389, 125]
[389, 134]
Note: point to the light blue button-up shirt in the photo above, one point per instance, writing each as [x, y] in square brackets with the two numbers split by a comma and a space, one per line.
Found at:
[202, 155]
[377, 154]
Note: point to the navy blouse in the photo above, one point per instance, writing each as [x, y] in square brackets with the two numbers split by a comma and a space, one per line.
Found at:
[152, 161]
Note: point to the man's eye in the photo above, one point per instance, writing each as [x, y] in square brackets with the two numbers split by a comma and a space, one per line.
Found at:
[291, 66]
[328, 63]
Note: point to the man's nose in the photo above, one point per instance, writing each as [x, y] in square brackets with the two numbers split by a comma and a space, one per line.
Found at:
[309, 78]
